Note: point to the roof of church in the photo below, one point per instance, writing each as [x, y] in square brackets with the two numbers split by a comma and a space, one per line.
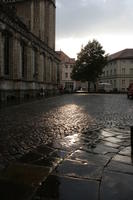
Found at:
[124, 54]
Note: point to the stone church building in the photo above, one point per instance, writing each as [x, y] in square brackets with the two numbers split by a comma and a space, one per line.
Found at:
[28, 61]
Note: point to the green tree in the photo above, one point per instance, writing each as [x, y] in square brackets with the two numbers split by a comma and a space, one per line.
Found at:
[90, 62]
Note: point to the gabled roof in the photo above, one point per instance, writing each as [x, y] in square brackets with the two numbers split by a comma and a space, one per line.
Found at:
[124, 54]
[65, 58]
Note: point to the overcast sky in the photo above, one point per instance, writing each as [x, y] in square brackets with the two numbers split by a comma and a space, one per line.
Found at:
[108, 21]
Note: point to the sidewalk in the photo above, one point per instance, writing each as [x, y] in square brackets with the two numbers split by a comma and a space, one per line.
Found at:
[73, 169]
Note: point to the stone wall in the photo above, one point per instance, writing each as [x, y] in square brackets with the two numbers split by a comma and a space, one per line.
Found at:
[33, 65]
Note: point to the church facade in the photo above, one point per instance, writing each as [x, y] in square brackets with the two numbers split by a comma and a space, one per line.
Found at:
[28, 61]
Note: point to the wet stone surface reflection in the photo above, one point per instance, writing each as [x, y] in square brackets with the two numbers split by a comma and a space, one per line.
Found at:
[75, 147]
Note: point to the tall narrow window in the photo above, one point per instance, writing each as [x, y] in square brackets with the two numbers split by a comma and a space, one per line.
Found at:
[66, 75]
[131, 70]
[6, 54]
[35, 63]
[123, 70]
[23, 59]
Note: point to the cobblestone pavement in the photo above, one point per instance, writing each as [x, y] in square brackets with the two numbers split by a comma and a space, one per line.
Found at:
[78, 141]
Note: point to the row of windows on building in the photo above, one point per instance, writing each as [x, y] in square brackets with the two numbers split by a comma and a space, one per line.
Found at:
[123, 62]
[113, 72]
[123, 82]
[8, 58]
[69, 85]
[68, 75]
[68, 66]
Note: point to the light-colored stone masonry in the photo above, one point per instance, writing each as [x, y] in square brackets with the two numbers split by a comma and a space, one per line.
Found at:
[37, 32]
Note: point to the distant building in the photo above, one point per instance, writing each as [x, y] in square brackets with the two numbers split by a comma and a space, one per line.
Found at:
[66, 66]
[119, 70]
[28, 61]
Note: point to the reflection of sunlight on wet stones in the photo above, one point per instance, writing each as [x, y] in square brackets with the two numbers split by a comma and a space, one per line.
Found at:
[90, 158]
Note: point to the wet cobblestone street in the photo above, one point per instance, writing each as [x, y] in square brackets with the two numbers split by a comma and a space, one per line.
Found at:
[78, 141]
[24, 127]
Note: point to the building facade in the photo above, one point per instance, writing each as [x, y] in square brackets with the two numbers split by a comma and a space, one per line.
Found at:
[119, 70]
[66, 66]
[29, 65]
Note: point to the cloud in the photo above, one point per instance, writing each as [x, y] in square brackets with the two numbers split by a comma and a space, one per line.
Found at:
[76, 18]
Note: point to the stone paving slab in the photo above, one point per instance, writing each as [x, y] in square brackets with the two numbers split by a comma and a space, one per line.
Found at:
[64, 188]
[103, 149]
[45, 150]
[59, 154]
[30, 175]
[126, 151]
[123, 159]
[30, 157]
[91, 158]
[78, 169]
[110, 144]
[106, 133]
[120, 167]
[116, 186]
[113, 140]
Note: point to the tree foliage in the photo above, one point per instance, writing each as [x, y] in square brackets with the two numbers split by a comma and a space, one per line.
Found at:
[90, 62]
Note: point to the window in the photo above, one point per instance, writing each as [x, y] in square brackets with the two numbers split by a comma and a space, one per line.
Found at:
[23, 59]
[111, 72]
[66, 75]
[114, 83]
[7, 54]
[66, 66]
[107, 73]
[69, 85]
[131, 70]
[114, 71]
[123, 82]
[35, 67]
[123, 70]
